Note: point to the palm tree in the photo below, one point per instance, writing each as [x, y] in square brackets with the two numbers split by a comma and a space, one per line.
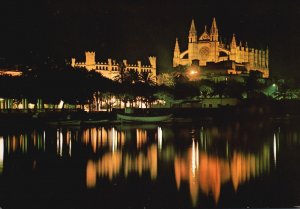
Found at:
[147, 78]
[132, 76]
[121, 77]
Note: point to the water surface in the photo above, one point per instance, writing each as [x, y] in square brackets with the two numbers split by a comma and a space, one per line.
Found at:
[150, 166]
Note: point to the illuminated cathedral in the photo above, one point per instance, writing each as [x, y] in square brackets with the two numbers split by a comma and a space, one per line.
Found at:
[209, 52]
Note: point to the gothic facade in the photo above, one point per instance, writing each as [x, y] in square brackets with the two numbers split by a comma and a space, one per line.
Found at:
[111, 68]
[207, 49]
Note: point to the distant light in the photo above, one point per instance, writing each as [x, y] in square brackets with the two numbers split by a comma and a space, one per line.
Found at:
[193, 72]
[274, 85]
[61, 104]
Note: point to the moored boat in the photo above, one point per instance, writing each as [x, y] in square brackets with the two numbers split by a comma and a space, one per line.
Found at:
[143, 118]
[64, 123]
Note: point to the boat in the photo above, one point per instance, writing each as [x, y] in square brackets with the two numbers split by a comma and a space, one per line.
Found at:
[129, 126]
[94, 122]
[64, 123]
[143, 118]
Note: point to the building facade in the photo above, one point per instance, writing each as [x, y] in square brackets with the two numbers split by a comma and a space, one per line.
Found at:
[207, 48]
[111, 68]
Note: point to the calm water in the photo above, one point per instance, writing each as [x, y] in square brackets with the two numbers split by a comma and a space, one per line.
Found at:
[150, 166]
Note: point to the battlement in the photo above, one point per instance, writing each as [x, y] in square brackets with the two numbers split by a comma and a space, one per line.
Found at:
[111, 67]
[90, 52]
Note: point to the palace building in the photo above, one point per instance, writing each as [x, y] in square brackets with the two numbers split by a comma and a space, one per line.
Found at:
[111, 68]
[210, 53]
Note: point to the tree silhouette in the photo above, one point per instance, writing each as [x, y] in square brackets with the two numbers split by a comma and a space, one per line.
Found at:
[147, 78]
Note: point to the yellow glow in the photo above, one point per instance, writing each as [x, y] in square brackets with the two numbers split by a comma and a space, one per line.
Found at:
[1, 154]
[10, 72]
[98, 138]
[61, 104]
[208, 52]
[141, 137]
[91, 174]
[208, 173]
[159, 138]
[193, 72]
[59, 142]
[70, 148]
[115, 163]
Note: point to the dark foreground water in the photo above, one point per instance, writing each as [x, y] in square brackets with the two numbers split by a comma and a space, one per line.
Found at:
[148, 166]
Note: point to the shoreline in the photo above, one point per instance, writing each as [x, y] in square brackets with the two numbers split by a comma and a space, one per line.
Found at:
[180, 115]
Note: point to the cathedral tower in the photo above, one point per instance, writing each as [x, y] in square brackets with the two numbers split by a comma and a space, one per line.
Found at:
[233, 48]
[214, 38]
[193, 45]
[214, 33]
[176, 57]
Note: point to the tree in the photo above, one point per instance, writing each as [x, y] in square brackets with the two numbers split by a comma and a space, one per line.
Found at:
[166, 97]
[147, 78]
[252, 82]
[121, 77]
[132, 76]
[220, 89]
[109, 100]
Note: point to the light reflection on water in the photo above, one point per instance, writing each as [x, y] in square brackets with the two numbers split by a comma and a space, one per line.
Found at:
[201, 170]
[1, 154]
[113, 164]
[208, 172]
[202, 160]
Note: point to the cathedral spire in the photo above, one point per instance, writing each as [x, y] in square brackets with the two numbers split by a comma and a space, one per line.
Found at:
[193, 28]
[233, 42]
[214, 24]
[176, 57]
[193, 33]
[214, 34]
[177, 49]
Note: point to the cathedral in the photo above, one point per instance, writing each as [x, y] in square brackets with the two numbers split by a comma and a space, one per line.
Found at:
[209, 52]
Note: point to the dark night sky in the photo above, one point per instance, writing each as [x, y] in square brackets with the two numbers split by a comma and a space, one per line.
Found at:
[137, 29]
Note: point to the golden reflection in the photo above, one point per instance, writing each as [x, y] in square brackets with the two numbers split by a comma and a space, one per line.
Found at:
[20, 142]
[91, 174]
[159, 138]
[102, 137]
[141, 137]
[1, 154]
[115, 163]
[70, 148]
[59, 143]
[208, 172]
[64, 142]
